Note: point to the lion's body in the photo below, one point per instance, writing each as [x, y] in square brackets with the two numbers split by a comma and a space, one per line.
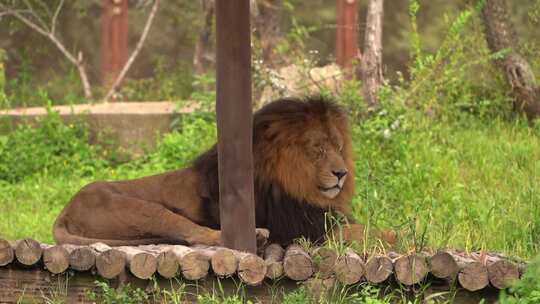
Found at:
[303, 168]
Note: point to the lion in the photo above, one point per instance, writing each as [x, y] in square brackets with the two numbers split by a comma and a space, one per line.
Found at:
[303, 169]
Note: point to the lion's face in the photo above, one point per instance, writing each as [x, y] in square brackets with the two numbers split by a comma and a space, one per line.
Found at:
[307, 149]
[325, 151]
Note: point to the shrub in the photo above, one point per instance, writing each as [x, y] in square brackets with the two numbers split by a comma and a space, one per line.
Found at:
[50, 145]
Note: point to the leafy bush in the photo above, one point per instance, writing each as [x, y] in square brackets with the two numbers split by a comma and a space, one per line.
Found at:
[51, 146]
[176, 149]
[459, 77]
[169, 82]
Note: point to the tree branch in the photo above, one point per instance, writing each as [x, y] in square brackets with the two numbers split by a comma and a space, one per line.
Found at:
[135, 52]
[55, 16]
[78, 62]
[8, 14]
[33, 13]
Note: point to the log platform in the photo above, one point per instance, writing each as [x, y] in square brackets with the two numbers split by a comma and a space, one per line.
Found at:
[28, 267]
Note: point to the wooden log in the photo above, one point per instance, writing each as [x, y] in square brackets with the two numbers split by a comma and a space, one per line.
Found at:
[167, 262]
[502, 273]
[109, 262]
[443, 265]
[142, 264]
[473, 275]
[251, 268]
[55, 258]
[325, 261]
[411, 269]
[28, 252]
[223, 260]
[273, 257]
[193, 264]
[297, 264]
[319, 287]
[81, 258]
[349, 268]
[6, 253]
[378, 269]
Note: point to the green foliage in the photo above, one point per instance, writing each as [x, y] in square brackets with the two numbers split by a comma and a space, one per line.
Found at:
[298, 296]
[360, 293]
[177, 149]
[3, 97]
[123, 295]
[483, 175]
[211, 298]
[171, 82]
[455, 78]
[52, 147]
[527, 289]
[415, 44]
[294, 44]
[204, 91]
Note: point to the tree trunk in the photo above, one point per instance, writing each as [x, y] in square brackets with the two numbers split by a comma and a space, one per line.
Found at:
[267, 24]
[120, 77]
[500, 35]
[204, 55]
[371, 65]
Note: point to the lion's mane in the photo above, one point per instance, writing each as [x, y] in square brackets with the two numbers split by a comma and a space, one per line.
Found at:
[285, 204]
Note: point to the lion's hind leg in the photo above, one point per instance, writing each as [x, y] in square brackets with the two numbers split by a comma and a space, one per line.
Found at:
[105, 215]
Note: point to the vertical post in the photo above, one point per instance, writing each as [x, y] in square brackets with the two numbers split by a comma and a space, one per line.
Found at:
[235, 126]
[114, 39]
[347, 33]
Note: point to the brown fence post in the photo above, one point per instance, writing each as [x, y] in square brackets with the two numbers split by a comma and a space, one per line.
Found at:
[346, 33]
[114, 39]
[234, 122]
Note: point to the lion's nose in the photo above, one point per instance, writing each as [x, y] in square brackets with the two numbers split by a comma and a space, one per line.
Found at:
[340, 173]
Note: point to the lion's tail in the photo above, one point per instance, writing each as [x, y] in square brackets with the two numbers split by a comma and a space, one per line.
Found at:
[63, 236]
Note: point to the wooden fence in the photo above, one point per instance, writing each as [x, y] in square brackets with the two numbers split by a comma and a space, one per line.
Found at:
[318, 268]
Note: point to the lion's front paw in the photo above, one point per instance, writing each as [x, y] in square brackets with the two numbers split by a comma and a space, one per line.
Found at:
[357, 232]
[208, 237]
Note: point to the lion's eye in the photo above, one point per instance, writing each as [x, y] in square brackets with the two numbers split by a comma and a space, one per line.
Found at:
[321, 151]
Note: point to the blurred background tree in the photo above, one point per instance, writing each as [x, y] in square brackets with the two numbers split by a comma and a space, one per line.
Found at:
[166, 66]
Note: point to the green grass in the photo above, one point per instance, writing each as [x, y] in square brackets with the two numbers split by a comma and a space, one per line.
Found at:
[471, 184]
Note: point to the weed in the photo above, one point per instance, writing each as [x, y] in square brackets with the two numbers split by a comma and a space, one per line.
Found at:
[122, 295]
[527, 289]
